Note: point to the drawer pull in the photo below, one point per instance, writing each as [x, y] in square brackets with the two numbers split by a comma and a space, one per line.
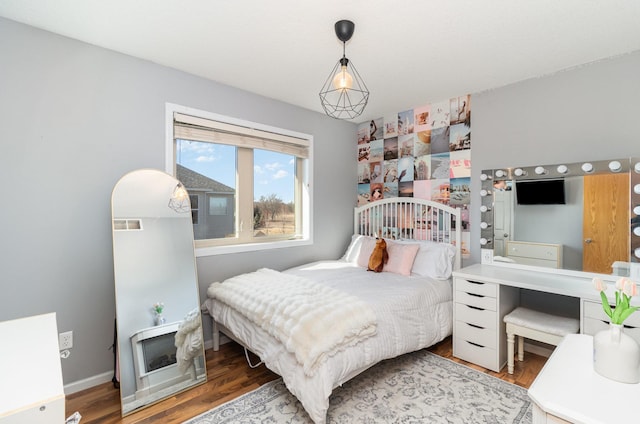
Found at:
[475, 326]
[474, 294]
[623, 325]
[475, 344]
[476, 282]
[475, 307]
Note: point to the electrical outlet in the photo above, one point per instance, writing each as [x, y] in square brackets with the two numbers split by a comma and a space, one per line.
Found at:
[486, 256]
[65, 340]
[634, 271]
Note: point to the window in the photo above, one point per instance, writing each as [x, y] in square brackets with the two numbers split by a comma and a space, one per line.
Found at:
[252, 180]
[218, 205]
[193, 199]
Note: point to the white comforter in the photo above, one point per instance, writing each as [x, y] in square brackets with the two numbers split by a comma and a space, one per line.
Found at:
[312, 320]
[412, 313]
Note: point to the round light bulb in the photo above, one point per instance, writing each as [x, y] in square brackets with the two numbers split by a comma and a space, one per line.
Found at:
[500, 173]
[562, 169]
[484, 241]
[636, 189]
[615, 166]
[484, 208]
[484, 192]
[636, 231]
[484, 225]
[636, 168]
[343, 79]
[587, 167]
[635, 252]
[636, 210]
[483, 177]
[519, 172]
[540, 170]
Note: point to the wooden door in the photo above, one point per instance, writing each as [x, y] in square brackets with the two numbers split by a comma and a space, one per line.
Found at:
[605, 224]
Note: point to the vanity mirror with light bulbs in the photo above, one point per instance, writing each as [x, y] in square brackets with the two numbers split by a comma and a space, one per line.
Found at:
[582, 216]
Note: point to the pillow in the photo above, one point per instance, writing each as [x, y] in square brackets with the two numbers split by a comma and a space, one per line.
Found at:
[401, 258]
[434, 260]
[366, 248]
[353, 250]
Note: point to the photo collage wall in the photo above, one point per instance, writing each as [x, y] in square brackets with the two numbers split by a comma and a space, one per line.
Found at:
[424, 152]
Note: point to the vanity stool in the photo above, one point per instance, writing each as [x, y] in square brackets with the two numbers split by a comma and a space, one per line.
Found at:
[540, 326]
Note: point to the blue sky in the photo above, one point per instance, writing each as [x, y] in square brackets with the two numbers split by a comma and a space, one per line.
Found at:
[273, 172]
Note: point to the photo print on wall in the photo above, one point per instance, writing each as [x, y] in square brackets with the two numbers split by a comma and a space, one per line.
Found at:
[423, 152]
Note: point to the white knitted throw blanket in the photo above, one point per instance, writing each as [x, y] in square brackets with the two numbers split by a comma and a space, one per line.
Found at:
[313, 321]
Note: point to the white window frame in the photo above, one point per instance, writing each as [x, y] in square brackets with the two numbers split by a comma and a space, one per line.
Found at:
[307, 184]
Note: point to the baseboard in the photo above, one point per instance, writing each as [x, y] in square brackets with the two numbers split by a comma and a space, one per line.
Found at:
[87, 383]
[537, 349]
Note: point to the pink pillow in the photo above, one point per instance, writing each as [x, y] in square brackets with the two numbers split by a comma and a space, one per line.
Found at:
[401, 257]
[366, 248]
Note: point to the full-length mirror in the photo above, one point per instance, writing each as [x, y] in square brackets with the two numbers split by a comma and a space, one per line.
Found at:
[160, 345]
[574, 216]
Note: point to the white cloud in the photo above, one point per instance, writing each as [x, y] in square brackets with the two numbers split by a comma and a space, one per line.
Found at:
[280, 174]
[272, 166]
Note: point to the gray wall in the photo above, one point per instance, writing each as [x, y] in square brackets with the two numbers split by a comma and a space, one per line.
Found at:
[74, 118]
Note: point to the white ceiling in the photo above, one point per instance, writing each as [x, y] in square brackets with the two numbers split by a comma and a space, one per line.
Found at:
[409, 52]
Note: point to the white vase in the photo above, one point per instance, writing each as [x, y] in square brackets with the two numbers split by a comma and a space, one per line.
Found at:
[160, 319]
[616, 355]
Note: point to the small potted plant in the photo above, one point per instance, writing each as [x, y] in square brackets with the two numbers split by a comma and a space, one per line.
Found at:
[158, 307]
[615, 354]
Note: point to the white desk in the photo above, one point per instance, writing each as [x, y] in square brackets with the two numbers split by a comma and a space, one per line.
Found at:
[569, 389]
[484, 294]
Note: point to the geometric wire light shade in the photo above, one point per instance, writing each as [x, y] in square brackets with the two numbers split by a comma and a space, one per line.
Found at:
[344, 94]
[179, 200]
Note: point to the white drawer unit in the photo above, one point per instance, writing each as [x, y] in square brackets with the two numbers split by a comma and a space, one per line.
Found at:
[479, 331]
[594, 319]
[538, 254]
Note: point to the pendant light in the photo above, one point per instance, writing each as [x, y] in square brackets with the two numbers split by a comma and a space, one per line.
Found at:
[344, 94]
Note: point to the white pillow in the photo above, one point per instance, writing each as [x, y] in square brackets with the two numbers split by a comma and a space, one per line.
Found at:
[353, 250]
[366, 249]
[434, 260]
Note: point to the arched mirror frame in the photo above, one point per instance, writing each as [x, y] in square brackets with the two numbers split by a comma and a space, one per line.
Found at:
[154, 263]
[489, 176]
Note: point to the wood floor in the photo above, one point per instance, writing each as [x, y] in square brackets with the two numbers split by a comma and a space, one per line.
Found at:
[229, 376]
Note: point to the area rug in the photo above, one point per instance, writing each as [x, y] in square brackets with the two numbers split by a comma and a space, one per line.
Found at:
[419, 387]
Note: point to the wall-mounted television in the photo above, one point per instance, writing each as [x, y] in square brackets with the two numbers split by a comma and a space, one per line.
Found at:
[540, 192]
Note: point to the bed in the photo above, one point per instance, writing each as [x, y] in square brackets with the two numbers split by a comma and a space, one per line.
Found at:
[376, 316]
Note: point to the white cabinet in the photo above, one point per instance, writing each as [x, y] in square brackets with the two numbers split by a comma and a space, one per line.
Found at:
[31, 372]
[537, 254]
[478, 312]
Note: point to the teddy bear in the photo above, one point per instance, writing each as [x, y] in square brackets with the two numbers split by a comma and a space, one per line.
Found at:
[379, 256]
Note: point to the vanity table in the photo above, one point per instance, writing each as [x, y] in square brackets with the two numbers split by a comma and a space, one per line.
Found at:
[568, 390]
[484, 294]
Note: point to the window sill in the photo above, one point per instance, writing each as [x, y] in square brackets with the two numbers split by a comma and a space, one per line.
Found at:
[250, 247]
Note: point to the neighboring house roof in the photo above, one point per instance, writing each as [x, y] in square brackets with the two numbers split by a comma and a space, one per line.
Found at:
[195, 181]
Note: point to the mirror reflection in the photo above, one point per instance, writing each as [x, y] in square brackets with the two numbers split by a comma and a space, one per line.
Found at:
[570, 216]
[160, 345]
